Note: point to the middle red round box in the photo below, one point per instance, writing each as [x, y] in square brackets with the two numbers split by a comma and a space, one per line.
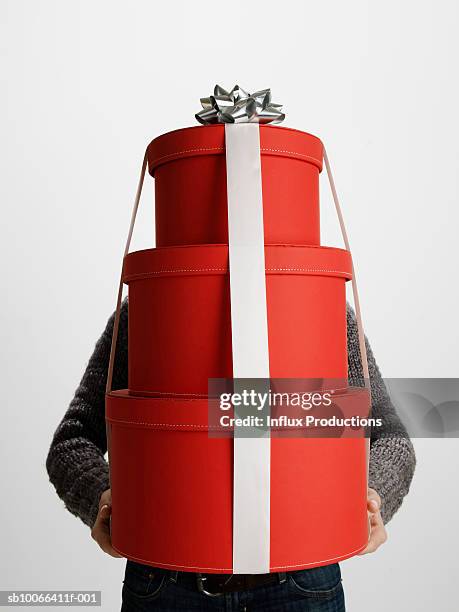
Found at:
[180, 323]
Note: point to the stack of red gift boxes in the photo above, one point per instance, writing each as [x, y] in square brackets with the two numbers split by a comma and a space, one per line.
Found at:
[172, 483]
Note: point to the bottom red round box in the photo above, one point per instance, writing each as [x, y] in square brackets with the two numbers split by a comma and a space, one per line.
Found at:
[172, 488]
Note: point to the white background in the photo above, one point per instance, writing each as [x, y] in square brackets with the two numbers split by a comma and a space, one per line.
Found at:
[85, 86]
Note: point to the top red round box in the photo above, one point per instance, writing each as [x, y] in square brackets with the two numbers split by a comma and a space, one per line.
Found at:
[189, 168]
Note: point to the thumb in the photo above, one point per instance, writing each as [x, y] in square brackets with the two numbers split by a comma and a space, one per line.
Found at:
[373, 505]
[105, 512]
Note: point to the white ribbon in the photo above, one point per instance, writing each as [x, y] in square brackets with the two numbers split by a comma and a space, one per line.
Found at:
[252, 456]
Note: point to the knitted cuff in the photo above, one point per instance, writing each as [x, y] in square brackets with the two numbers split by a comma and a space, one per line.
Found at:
[101, 485]
[392, 463]
[83, 498]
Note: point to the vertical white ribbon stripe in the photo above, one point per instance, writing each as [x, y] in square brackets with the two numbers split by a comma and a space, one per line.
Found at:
[252, 456]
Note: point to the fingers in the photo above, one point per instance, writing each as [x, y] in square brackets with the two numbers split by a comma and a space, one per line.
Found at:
[373, 506]
[105, 498]
[373, 501]
[378, 534]
[105, 512]
[101, 530]
[377, 538]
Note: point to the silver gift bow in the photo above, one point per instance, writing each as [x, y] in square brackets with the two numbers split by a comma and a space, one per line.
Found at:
[239, 106]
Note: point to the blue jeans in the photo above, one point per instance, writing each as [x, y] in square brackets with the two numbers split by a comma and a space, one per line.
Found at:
[147, 589]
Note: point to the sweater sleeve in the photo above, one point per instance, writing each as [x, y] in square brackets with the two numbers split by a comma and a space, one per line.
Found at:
[392, 457]
[75, 463]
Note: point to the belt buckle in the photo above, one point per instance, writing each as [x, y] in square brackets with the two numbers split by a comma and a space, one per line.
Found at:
[244, 583]
[201, 580]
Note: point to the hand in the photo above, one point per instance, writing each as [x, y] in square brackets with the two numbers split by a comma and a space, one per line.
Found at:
[378, 534]
[101, 530]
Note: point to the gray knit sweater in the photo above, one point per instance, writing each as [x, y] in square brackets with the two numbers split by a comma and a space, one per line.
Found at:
[78, 470]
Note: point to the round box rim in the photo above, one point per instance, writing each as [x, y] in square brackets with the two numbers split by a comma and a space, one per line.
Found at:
[184, 413]
[213, 259]
[210, 140]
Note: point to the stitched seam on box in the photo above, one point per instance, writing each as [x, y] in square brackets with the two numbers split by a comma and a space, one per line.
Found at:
[262, 149]
[171, 425]
[151, 394]
[353, 552]
[158, 159]
[305, 270]
[141, 397]
[157, 272]
[189, 396]
[176, 271]
[314, 159]
[230, 569]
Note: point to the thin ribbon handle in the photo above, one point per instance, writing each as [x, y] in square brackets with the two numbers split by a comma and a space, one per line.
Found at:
[358, 314]
[116, 323]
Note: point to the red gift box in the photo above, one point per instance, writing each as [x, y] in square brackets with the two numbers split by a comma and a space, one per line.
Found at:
[179, 313]
[172, 489]
[173, 484]
[189, 167]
